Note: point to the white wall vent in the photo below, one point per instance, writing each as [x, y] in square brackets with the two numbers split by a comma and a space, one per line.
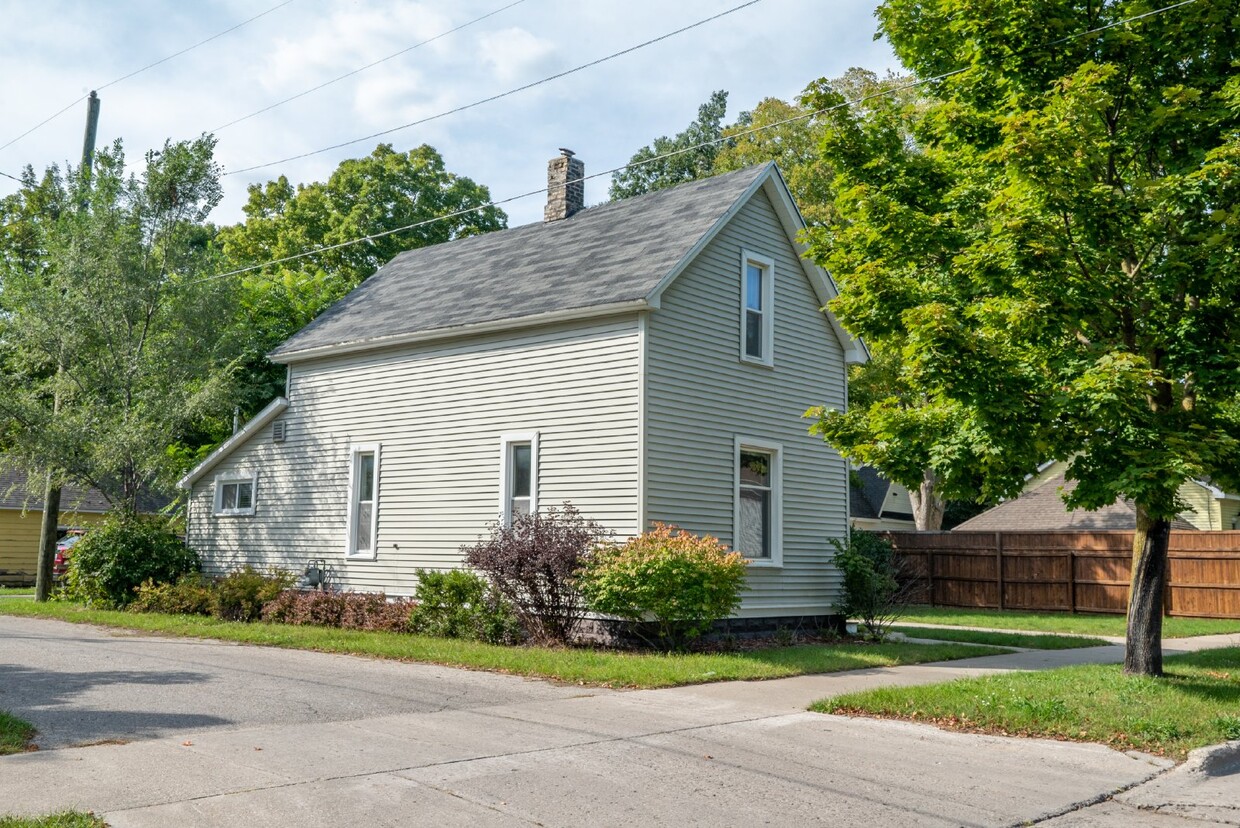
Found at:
[279, 430]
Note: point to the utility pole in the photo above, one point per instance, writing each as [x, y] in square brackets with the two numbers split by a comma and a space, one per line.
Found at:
[51, 492]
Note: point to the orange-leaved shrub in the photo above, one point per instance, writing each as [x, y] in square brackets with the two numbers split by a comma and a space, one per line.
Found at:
[677, 581]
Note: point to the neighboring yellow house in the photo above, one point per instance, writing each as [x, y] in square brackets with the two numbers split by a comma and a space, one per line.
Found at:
[1210, 507]
[21, 514]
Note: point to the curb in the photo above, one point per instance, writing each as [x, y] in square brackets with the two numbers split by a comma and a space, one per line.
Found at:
[1214, 760]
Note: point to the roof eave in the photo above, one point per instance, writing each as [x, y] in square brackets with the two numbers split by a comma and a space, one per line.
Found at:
[273, 410]
[793, 222]
[456, 331]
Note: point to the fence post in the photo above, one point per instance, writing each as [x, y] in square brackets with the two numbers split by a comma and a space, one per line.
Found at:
[999, 565]
[930, 576]
[1072, 581]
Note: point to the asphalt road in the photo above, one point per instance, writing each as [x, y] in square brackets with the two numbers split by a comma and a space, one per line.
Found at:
[209, 733]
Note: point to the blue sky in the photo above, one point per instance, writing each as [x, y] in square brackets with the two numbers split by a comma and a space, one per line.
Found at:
[55, 51]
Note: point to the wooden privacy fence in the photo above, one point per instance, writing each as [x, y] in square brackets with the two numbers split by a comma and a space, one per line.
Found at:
[1067, 571]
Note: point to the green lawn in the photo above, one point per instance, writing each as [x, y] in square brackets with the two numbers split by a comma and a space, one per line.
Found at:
[16, 591]
[1003, 639]
[1061, 622]
[64, 819]
[577, 666]
[1197, 703]
[15, 733]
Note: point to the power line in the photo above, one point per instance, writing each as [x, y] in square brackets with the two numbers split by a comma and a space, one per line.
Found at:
[477, 103]
[152, 65]
[15, 178]
[367, 66]
[804, 116]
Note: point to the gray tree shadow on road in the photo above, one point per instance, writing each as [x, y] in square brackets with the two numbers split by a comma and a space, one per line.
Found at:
[46, 699]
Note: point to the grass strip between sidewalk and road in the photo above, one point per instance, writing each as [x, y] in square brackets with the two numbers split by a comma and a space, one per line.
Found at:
[1031, 641]
[574, 665]
[1061, 622]
[64, 819]
[1196, 703]
[15, 734]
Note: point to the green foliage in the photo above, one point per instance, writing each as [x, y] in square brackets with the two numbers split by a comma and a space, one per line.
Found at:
[240, 595]
[653, 172]
[189, 595]
[120, 554]
[872, 588]
[1053, 255]
[115, 343]
[459, 604]
[381, 192]
[679, 581]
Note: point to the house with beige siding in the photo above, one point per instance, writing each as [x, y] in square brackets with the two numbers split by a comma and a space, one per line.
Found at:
[646, 360]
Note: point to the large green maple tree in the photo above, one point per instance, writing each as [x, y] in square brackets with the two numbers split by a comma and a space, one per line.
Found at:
[1053, 255]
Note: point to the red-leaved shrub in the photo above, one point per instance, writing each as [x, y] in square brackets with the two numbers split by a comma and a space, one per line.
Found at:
[346, 610]
[532, 564]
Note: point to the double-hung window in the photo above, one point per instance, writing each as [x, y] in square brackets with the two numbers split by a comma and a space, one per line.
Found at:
[518, 486]
[757, 308]
[758, 508]
[234, 493]
[363, 501]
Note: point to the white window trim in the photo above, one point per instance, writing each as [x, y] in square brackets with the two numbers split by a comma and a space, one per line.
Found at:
[350, 527]
[777, 498]
[250, 477]
[749, 257]
[505, 472]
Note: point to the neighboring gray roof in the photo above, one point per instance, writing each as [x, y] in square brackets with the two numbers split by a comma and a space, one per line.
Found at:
[603, 255]
[1043, 509]
[867, 493]
[18, 492]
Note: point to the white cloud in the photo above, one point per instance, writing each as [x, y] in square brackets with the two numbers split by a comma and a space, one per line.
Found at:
[515, 54]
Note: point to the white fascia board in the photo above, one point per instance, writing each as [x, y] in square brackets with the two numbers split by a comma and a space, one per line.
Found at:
[1215, 491]
[273, 410]
[457, 331]
[793, 223]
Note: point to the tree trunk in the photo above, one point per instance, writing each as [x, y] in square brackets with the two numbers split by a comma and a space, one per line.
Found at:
[47, 539]
[1145, 596]
[928, 506]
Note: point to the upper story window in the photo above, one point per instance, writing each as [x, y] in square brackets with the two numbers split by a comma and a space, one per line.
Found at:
[758, 511]
[518, 475]
[363, 501]
[757, 308]
[234, 493]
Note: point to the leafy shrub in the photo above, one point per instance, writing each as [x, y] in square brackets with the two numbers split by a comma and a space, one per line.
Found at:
[532, 564]
[240, 595]
[190, 595]
[120, 554]
[677, 580]
[459, 604]
[874, 590]
[346, 610]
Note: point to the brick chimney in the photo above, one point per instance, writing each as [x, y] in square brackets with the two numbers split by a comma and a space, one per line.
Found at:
[564, 198]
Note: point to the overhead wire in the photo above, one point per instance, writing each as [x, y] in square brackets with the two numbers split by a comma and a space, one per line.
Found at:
[730, 137]
[151, 65]
[498, 96]
[371, 65]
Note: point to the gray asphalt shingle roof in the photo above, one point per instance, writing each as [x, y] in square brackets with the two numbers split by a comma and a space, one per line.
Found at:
[867, 493]
[1043, 509]
[615, 252]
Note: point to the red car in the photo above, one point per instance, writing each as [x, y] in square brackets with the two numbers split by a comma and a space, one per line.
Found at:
[64, 548]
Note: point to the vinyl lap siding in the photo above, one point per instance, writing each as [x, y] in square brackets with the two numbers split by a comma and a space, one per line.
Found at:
[699, 395]
[438, 413]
